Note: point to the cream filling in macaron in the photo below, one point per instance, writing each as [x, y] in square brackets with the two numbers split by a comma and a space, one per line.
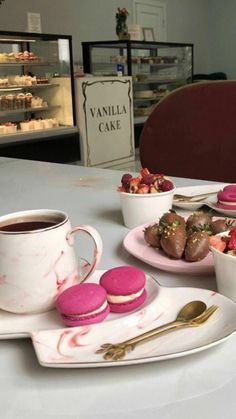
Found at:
[116, 299]
[227, 202]
[98, 310]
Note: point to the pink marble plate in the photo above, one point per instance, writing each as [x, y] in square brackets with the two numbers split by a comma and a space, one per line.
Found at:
[13, 326]
[135, 244]
[76, 347]
[60, 347]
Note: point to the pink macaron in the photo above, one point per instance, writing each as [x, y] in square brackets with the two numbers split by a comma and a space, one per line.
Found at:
[227, 197]
[125, 287]
[83, 304]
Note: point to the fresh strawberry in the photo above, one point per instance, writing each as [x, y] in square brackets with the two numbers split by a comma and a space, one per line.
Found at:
[134, 181]
[159, 175]
[217, 243]
[143, 189]
[145, 182]
[121, 189]
[133, 185]
[232, 240]
[144, 172]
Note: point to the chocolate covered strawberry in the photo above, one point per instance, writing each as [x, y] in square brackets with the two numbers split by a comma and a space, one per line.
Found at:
[152, 235]
[221, 225]
[170, 217]
[173, 240]
[197, 246]
[199, 221]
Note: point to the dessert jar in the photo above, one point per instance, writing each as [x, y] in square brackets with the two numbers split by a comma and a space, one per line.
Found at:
[10, 128]
[225, 268]
[2, 130]
[25, 126]
[37, 124]
[139, 209]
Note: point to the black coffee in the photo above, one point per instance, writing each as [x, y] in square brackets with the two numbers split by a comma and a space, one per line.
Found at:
[27, 226]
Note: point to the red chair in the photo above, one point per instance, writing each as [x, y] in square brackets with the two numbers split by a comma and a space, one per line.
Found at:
[192, 133]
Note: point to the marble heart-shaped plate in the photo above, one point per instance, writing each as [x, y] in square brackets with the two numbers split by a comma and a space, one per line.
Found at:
[60, 347]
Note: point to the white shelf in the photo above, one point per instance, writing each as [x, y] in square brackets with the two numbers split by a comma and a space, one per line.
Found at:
[25, 136]
[24, 87]
[24, 63]
[32, 110]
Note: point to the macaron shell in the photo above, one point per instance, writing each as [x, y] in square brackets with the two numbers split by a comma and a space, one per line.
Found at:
[129, 306]
[81, 299]
[228, 194]
[226, 207]
[230, 188]
[123, 280]
[83, 321]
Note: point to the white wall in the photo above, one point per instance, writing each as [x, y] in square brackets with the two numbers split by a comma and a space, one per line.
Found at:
[222, 37]
[188, 21]
[209, 24]
[85, 20]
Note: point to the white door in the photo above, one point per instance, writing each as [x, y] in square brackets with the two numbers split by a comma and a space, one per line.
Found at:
[151, 14]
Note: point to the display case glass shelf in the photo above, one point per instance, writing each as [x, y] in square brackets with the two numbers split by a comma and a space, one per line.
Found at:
[36, 85]
[156, 68]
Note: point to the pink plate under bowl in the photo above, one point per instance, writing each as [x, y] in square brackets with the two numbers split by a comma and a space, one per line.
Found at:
[135, 244]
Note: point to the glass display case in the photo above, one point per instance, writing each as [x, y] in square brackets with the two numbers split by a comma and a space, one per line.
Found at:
[36, 86]
[156, 68]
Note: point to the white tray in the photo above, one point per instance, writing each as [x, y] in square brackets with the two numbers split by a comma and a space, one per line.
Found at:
[60, 347]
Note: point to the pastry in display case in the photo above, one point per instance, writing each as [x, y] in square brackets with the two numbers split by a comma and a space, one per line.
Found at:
[156, 68]
[36, 86]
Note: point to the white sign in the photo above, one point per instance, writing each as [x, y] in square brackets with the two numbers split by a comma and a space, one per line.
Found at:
[34, 22]
[105, 110]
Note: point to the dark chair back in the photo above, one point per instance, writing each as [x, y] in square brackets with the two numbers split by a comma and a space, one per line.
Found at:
[192, 133]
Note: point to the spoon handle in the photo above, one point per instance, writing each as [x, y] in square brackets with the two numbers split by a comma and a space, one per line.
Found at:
[153, 332]
[169, 327]
[179, 197]
[118, 351]
[161, 331]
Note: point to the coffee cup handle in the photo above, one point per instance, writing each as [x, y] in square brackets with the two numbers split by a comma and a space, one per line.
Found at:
[97, 241]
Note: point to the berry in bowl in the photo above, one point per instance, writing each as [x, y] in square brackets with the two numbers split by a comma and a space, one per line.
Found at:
[223, 247]
[145, 198]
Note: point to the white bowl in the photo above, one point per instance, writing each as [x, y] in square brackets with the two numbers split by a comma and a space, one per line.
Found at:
[139, 209]
[225, 270]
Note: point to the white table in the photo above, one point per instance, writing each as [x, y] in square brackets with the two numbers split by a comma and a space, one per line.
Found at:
[197, 386]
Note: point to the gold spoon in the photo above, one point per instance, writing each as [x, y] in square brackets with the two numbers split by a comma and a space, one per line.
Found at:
[193, 313]
[192, 198]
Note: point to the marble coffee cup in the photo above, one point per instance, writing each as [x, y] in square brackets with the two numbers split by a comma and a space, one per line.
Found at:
[38, 259]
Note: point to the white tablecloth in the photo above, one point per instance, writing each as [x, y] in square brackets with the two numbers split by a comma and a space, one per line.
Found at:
[198, 386]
